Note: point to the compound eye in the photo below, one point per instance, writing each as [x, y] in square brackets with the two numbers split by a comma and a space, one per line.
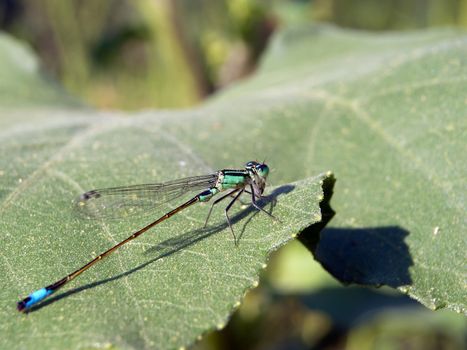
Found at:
[262, 169]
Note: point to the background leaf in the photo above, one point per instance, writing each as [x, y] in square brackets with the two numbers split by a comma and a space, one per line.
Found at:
[21, 83]
[384, 111]
[387, 113]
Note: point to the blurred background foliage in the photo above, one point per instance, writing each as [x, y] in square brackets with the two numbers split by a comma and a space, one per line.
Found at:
[173, 54]
[166, 53]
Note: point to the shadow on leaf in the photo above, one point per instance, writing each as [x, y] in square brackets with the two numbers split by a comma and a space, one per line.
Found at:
[369, 256]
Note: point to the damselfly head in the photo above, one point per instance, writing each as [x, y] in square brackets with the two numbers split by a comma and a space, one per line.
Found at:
[259, 169]
[259, 172]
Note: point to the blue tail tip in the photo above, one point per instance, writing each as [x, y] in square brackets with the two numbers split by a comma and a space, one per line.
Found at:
[33, 298]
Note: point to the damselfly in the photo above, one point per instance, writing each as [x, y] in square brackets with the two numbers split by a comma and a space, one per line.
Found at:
[251, 180]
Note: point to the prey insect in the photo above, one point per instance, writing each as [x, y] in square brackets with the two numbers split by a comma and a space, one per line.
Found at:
[250, 180]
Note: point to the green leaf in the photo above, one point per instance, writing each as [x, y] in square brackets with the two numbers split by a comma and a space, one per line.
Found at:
[392, 109]
[386, 112]
[165, 289]
[172, 285]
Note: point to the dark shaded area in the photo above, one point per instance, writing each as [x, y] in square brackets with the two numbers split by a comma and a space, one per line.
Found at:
[9, 10]
[106, 51]
[311, 235]
[174, 245]
[369, 256]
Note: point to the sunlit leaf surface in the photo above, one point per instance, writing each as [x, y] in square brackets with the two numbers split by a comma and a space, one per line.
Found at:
[385, 112]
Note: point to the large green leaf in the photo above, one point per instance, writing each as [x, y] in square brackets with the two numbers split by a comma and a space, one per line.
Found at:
[166, 289]
[384, 111]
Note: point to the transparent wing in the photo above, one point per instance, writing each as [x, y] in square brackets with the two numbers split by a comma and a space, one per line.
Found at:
[120, 202]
